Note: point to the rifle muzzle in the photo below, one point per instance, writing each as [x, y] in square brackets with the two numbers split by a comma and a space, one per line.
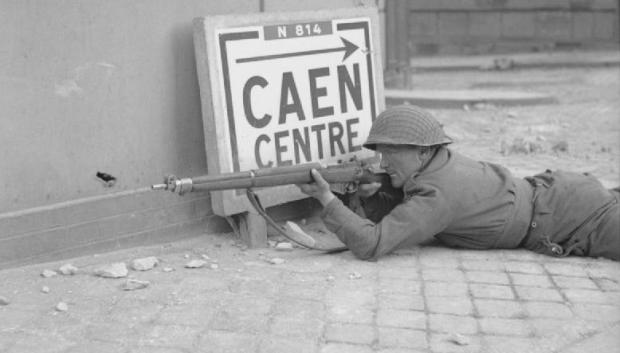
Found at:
[174, 184]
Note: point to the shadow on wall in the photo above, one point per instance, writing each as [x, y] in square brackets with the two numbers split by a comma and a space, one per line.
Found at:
[187, 101]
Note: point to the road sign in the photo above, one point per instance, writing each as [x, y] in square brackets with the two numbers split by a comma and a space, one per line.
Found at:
[281, 89]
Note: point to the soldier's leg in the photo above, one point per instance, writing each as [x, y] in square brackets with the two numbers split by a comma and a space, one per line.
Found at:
[605, 240]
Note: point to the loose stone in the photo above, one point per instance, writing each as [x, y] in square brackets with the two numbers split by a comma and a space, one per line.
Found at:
[458, 339]
[284, 246]
[134, 284]
[145, 263]
[195, 264]
[62, 307]
[355, 275]
[115, 270]
[276, 261]
[68, 270]
[48, 273]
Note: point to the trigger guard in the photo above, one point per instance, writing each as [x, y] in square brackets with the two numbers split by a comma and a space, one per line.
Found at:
[351, 187]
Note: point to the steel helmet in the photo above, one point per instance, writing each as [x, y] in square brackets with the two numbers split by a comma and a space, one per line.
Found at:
[406, 125]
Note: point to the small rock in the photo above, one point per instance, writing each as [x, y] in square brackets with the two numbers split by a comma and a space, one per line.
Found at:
[145, 263]
[134, 284]
[512, 115]
[520, 146]
[48, 273]
[459, 339]
[355, 275]
[483, 106]
[195, 264]
[45, 289]
[68, 270]
[284, 246]
[62, 307]
[272, 244]
[561, 146]
[186, 256]
[503, 64]
[4, 301]
[214, 266]
[168, 269]
[205, 257]
[276, 261]
[115, 270]
[330, 278]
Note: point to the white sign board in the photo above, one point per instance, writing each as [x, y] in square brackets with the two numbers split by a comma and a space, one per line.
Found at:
[282, 89]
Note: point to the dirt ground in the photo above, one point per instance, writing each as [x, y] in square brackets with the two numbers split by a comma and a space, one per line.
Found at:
[580, 133]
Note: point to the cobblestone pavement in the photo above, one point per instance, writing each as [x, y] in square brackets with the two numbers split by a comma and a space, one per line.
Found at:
[428, 299]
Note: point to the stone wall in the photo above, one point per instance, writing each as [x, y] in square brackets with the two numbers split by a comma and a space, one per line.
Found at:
[443, 27]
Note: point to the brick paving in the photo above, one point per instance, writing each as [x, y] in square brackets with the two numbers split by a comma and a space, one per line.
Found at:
[428, 299]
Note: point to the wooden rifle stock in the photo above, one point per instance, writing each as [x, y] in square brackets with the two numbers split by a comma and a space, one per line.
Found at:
[346, 174]
[350, 172]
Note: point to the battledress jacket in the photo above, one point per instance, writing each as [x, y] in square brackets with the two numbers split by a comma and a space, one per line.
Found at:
[468, 204]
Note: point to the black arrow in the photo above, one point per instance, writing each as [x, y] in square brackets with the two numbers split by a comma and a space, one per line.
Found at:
[348, 49]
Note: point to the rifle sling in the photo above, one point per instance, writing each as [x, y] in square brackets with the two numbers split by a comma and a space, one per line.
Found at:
[255, 201]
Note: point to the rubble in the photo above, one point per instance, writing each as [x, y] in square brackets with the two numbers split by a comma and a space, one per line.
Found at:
[145, 263]
[459, 339]
[68, 270]
[276, 261]
[4, 301]
[48, 273]
[284, 246]
[62, 307]
[195, 264]
[520, 145]
[134, 284]
[114, 270]
[355, 275]
[561, 146]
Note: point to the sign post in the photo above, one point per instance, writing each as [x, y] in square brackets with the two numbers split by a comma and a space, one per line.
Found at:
[282, 89]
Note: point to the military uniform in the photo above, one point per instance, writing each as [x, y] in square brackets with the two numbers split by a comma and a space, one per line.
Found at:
[476, 205]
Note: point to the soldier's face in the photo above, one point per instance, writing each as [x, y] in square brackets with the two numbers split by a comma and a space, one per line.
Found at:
[400, 162]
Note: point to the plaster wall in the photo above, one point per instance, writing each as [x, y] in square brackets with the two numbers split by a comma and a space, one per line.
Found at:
[101, 86]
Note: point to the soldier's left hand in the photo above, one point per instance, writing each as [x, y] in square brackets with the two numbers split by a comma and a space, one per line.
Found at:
[319, 189]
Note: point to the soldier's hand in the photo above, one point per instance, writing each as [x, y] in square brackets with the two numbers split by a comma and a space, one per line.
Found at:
[319, 189]
[367, 190]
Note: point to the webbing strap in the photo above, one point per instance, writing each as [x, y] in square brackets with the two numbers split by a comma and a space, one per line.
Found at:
[254, 200]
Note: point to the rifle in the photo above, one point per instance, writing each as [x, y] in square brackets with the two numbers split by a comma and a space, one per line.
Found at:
[343, 177]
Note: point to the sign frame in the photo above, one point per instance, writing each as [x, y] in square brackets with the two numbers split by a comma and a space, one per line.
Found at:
[210, 49]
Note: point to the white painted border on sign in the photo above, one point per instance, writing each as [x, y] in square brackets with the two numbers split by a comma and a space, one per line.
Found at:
[248, 147]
